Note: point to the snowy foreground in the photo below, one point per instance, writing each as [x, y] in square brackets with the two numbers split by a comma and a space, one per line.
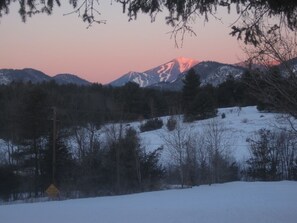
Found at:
[238, 202]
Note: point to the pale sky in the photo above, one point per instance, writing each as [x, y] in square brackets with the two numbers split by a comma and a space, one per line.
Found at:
[62, 44]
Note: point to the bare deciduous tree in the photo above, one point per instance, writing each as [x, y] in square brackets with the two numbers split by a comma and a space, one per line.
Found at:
[180, 145]
[217, 142]
[85, 137]
[273, 155]
[275, 86]
[114, 133]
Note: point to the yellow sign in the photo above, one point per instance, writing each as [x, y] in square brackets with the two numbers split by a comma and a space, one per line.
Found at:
[52, 191]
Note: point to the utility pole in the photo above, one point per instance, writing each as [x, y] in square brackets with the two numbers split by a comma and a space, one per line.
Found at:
[52, 191]
[54, 143]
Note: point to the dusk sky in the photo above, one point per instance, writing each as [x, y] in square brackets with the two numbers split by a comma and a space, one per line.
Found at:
[62, 44]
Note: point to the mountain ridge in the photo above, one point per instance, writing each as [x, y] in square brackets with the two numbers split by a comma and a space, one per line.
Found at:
[34, 76]
[169, 75]
[166, 72]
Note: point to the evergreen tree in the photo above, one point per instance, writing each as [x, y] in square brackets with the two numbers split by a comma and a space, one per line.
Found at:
[204, 104]
[264, 161]
[199, 103]
[151, 170]
[189, 93]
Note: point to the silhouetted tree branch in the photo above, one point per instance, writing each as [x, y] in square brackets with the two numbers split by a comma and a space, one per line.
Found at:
[275, 86]
[180, 13]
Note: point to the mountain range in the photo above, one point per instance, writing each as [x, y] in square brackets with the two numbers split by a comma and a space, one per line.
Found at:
[171, 74]
[168, 76]
[35, 76]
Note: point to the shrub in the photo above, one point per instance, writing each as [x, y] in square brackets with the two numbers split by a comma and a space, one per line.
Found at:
[245, 120]
[223, 115]
[171, 124]
[273, 155]
[151, 124]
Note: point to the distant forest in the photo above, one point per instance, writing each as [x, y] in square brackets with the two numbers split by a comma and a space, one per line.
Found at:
[78, 105]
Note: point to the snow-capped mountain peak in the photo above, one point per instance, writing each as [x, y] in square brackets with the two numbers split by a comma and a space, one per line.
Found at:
[167, 72]
[185, 63]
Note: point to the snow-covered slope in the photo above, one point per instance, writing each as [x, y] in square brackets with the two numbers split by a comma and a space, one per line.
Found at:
[168, 72]
[244, 202]
[239, 124]
[215, 73]
[142, 79]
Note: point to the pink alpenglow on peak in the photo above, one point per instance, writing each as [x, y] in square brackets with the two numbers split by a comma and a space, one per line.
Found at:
[170, 71]
[186, 63]
[182, 64]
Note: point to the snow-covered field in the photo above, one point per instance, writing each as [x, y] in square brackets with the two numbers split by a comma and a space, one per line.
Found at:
[244, 202]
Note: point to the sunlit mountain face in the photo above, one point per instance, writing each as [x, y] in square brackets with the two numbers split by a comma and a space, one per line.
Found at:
[170, 75]
[167, 72]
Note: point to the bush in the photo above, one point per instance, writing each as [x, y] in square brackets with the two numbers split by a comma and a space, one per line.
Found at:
[245, 120]
[223, 115]
[171, 124]
[273, 155]
[151, 124]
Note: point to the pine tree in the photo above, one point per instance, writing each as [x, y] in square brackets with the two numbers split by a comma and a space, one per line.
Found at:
[203, 105]
[189, 93]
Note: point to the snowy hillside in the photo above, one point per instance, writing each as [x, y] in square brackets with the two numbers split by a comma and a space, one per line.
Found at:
[244, 202]
[216, 73]
[239, 124]
[142, 79]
